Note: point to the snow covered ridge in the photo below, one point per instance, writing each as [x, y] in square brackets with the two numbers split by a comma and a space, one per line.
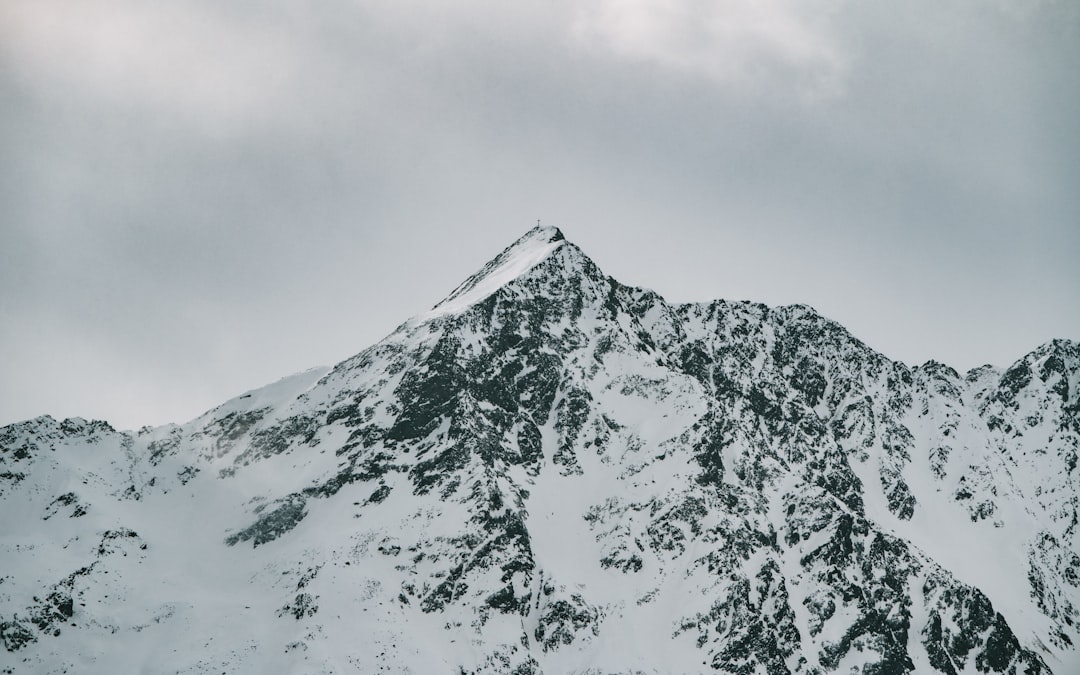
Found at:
[553, 472]
[518, 258]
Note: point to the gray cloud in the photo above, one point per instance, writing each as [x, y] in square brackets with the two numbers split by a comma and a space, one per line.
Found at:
[200, 198]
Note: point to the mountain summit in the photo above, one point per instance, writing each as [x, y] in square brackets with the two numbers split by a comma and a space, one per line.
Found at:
[517, 259]
[553, 472]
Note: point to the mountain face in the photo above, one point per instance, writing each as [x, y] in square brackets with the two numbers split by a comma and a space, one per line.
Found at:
[553, 472]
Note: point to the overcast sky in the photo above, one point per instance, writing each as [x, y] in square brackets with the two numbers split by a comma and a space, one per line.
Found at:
[201, 196]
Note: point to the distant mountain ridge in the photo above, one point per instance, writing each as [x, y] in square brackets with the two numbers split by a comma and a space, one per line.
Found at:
[554, 472]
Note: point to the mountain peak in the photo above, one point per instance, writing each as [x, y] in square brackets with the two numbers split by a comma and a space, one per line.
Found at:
[549, 232]
[517, 259]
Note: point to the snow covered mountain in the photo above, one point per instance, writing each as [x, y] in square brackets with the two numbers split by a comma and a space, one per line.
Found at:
[553, 472]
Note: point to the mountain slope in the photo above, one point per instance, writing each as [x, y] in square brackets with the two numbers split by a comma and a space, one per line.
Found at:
[553, 472]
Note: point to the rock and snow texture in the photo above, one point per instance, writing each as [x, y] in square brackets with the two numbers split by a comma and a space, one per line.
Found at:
[553, 472]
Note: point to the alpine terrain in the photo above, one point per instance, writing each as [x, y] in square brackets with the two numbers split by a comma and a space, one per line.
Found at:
[552, 472]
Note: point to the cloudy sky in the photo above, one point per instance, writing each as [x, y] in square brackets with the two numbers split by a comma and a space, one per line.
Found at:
[198, 197]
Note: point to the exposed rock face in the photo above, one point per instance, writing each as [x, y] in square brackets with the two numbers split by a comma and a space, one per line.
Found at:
[553, 472]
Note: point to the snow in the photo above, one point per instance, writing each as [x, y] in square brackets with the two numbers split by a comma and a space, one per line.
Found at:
[518, 259]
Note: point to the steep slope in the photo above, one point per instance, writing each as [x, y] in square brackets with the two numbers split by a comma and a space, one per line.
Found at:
[553, 472]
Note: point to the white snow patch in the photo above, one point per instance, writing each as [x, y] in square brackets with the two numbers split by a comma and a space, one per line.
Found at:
[521, 257]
